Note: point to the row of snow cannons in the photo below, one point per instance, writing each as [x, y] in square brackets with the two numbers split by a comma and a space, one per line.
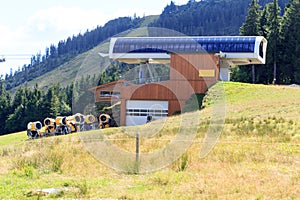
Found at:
[67, 125]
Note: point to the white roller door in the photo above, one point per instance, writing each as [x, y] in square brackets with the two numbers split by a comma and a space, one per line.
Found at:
[138, 110]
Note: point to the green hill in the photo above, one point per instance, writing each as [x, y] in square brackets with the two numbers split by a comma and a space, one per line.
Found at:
[86, 63]
[256, 156]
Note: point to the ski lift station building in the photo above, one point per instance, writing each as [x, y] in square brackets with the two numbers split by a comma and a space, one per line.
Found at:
[195, 63]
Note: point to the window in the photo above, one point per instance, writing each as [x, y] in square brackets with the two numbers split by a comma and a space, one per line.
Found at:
[261, 51]
[146, 112]
[105, 94]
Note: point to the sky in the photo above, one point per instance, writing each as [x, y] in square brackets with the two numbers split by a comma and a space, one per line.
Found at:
[28, 27]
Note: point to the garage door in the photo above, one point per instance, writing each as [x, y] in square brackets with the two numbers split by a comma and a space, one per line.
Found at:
[137, 111]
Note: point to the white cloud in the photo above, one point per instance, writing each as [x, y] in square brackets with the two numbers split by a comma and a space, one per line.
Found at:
[64, 19]
[11, 45]
[7, 36]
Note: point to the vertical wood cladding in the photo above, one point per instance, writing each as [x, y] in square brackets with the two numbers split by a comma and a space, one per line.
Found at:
[184, 81]
[187, 66]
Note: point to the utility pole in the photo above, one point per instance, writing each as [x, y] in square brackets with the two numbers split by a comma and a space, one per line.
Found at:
[253, 73]
[275, 68]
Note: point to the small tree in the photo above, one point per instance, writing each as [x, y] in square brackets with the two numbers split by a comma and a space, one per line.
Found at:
[273, 24]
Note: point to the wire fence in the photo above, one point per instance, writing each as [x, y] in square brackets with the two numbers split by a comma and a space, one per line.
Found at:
[219, 141]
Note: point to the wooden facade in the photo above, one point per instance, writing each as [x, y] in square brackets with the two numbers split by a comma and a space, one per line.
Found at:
[189, 74]
[110, 91]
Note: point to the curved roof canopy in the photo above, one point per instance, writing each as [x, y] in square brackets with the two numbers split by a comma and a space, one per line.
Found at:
[184, 45]
[137, 49]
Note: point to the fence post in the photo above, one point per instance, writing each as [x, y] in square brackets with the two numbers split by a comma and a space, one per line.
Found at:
[137, 153]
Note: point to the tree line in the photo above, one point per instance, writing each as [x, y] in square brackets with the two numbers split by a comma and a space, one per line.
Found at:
[34, 104]
[283, 50]
[206, 17]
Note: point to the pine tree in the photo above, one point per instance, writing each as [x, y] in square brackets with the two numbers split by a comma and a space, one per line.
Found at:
[54, 103]
[249, 28]
[252, 23]
[15, 121]
[69, 93]
[25, 108]
[5, 107]
[32, 111]
[263, 24]
[290, 44]
[273, 12]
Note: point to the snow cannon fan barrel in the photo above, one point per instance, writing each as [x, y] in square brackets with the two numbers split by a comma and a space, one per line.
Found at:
[33, 129]
[79, 118]
[71, 122]
[90, 119]
[50, 125]
[49, 122]
[61, 121]
[34, 126]
[104, 120]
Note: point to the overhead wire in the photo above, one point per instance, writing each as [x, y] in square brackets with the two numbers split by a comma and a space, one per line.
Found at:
[15, 56]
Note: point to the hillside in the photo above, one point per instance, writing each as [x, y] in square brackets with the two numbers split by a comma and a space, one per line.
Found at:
[86, 63]
[256, 157]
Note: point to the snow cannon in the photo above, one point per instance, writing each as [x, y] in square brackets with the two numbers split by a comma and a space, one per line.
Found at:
[34, 126]
[62, 127]
[49, 122]
[90, 119]
[79, 118]
[50, 125]
[61, 121]
[70, 119]
[71, 123]
[33, 129]
[104, 121]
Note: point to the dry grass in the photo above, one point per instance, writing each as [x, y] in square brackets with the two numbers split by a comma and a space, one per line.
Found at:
[256, 157]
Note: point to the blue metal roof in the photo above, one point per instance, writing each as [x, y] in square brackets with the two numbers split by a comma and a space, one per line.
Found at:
[185, 44]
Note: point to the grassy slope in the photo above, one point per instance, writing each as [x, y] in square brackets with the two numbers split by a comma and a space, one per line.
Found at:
[89, 62]
[256, 157]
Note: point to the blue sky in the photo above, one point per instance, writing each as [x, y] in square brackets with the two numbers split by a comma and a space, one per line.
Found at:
[27, 27]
